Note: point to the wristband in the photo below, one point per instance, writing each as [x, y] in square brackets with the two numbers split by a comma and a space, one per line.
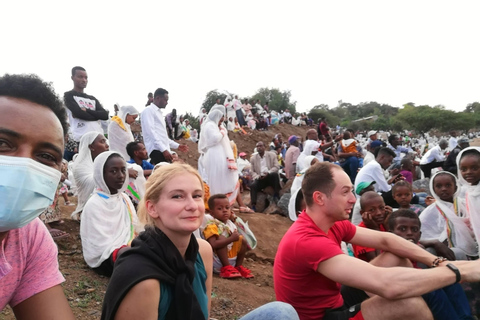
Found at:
[455, 270]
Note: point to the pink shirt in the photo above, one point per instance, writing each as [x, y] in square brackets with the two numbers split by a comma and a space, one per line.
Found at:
[28, 263]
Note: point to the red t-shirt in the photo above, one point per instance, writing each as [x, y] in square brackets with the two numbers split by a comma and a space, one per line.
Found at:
[296, 279]
[323, 128]
[359, 251]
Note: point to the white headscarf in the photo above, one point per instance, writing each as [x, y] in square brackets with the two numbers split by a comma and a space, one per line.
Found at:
[119, 132]
[308, 148]
[434, 224]
[83, 171]
[297, 187]
[109, 221]
[212, 120]
[471, 196]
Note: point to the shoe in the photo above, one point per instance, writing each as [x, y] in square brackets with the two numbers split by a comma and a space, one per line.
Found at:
[229, 272]
[246, 273]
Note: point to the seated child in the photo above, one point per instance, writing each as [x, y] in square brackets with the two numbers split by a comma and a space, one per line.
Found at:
[406, 168]
[228, 245]
[402, 193]
[362, 187]
[443, 223]
[109, 221]
[449, 302]
[374, 213]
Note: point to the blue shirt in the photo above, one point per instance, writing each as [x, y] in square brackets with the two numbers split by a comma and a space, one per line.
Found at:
[145, 164]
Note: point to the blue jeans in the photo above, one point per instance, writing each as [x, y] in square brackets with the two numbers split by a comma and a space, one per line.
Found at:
[272, 311]
[350, 166]
[448, 303]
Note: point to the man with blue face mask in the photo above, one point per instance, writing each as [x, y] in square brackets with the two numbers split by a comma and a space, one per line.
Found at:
[32, 129]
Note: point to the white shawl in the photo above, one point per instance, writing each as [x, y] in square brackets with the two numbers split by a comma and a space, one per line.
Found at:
[108, 221]
[119, 137]
[82, 170]
[297, 187]
[434, 224]
[471, 197]
[308, 148]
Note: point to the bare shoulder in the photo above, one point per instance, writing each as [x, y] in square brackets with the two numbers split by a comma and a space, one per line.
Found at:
[205, 249]
[141, 302]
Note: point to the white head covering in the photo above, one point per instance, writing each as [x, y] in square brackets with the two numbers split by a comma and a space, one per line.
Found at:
[119, 137]
[212, 120]
[471, 196]
[109, 221]
[434, 224]
[219, 107]
[308, 148]
[83, 171]
[297, 187]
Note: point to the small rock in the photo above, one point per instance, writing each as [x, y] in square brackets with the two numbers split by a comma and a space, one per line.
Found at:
[74, 246]
[259, 284]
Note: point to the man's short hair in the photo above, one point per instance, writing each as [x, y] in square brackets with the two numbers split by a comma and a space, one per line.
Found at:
[319, 177]
[30, 87]
[385, 152]
[74, 69]
[405, 213]
[211, 200]
[392, 138]
[131, 148]
[160, 92]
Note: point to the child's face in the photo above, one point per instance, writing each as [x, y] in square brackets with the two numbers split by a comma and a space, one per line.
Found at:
[114, 174]
[408, 229]
[221, 210]
[470, 169]
[444, 186]
[376, 208]
[403, 196]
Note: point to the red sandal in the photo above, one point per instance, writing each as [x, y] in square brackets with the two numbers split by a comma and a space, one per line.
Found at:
[229, 272]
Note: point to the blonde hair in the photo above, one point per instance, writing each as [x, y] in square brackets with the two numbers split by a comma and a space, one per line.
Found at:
[157, 182]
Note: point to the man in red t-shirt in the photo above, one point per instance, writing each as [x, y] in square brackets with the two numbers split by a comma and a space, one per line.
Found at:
[310, 266]
[323, 128]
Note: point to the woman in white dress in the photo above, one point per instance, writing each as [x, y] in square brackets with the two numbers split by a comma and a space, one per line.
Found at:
[218, 161]
[119, 132]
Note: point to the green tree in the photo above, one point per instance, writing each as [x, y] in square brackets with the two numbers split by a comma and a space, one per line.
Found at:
[211, 98]
[193, 120]
[277, 100]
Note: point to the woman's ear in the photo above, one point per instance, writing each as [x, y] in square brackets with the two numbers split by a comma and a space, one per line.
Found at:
[151, 209]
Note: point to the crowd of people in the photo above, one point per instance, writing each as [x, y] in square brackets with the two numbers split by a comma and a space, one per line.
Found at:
[365, 244]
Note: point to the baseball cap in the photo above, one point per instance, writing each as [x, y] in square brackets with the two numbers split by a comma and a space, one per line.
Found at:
[292, 139]
[463, 140]
[242, 154]
[363, 185]
[371, 132]
[375, 144]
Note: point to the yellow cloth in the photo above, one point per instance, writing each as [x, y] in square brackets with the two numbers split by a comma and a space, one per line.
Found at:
[119, 121]
[206, 195]
[212, 230]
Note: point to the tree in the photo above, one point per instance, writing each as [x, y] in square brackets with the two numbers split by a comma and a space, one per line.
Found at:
[320, 111]
[212, 97]
[193, 120]
[277, 100]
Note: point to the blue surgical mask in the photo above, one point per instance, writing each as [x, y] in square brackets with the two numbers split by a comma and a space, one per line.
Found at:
[27, 187]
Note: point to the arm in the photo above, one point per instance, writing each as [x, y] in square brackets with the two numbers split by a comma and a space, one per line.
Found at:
[440, 248]
[75, 109]
[276, 165]
[48, 304]
[218, 242]
[99, 113]
[255, 175]
[207, 256]
[390, 283]
[141, 302]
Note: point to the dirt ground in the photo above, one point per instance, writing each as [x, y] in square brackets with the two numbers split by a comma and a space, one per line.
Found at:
[230, 298]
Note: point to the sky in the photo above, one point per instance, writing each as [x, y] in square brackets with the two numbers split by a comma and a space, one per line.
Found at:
[393, 52]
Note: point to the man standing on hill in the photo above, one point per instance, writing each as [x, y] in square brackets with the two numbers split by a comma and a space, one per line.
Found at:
[154, 130]
[84, 111]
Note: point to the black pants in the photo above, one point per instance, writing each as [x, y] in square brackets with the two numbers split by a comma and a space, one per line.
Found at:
[157, 156]
[427, 168]
[271, 180]
[352, 299]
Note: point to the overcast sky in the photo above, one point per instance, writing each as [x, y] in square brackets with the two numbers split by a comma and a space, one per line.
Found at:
[426, 52]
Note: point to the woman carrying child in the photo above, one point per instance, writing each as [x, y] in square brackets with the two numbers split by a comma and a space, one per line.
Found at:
[443, 222]
[167, 274]
[109, 221]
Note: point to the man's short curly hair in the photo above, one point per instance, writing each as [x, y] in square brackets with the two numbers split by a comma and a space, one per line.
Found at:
[30, 87]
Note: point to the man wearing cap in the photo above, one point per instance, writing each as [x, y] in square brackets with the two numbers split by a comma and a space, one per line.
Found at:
[451, 162]
[291, 157]
[372, 136]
